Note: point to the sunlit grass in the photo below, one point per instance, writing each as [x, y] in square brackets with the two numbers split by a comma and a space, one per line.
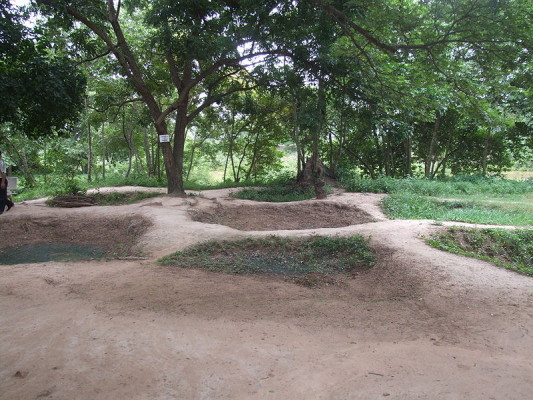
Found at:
[511, 249]
[410, 206]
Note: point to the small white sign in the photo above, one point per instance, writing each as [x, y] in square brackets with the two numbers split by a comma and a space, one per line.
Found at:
[164, 138]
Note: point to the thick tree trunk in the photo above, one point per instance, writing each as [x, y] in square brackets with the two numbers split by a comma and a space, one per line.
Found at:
[174, 158]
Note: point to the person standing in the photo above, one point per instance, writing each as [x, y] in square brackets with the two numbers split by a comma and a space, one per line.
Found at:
[4, 200]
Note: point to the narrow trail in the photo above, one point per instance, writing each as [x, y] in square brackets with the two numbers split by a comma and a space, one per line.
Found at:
[422, 324]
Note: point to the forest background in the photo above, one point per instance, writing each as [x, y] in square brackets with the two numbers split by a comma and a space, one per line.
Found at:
[199, 93]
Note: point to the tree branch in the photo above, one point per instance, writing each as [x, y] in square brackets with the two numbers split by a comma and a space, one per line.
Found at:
[94, 58]
[213, 99]
[138, 99]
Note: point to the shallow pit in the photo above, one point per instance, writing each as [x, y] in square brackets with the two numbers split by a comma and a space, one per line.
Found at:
[44, 252]
[42, 239]
[270, 217]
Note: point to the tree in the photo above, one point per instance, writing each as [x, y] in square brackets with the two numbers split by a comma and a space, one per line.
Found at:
[40, 92]
[192, 52]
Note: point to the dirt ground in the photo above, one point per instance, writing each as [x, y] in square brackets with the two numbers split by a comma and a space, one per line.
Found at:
[421, 324]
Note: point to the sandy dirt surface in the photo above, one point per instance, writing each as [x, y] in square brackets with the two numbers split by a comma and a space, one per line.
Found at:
[421, 324]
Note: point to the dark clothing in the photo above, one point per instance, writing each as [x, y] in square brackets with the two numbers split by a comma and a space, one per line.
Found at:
[4, 201]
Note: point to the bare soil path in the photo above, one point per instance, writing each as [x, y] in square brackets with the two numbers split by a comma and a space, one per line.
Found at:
[422, 324]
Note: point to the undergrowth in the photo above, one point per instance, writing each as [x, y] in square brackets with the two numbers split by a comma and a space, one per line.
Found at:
[408, 206]
[309, 261]
[512, 249]
[278, 192]
[474, 199]
[454, 186]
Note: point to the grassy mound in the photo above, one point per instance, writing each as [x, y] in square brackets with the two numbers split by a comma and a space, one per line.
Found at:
[310, 261]
[511, 249]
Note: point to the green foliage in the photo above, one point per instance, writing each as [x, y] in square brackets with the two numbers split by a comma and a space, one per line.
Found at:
[40, 92]
[277, 192]
[440, 84]
[511, 249]
[132, 180]
[69, 185]
[277, 255]
[410, 206]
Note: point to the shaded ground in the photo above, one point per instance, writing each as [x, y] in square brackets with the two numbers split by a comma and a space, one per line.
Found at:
[421, 324]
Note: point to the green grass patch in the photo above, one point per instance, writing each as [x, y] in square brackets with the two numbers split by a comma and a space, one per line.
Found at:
[512, 249]
[479, 212]
[465, 210]
[449, 187]
[305, 260]
[474, 199]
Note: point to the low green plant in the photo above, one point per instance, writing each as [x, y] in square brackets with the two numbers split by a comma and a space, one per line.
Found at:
[511, 249]
[70, 186]
[288, 257]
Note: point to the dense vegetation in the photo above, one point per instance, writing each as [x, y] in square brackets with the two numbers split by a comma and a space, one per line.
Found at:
[389, 88]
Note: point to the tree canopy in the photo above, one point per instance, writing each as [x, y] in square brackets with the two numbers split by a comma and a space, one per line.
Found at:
[381, 85]
[40, 92]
